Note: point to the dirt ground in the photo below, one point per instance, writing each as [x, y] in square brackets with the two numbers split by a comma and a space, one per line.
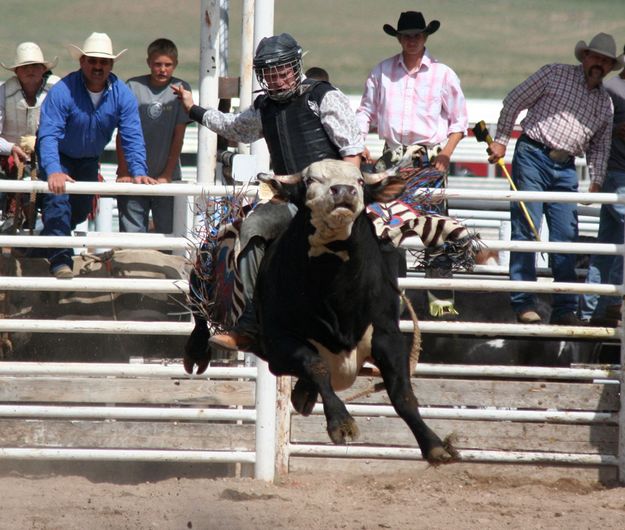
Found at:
[465, 496]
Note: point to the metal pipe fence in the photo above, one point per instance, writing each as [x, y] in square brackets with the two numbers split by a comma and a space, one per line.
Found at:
[265, 427]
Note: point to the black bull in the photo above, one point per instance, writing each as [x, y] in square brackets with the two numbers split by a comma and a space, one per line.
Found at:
[327, 298]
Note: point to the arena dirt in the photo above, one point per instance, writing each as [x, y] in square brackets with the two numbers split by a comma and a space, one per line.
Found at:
[465, 496]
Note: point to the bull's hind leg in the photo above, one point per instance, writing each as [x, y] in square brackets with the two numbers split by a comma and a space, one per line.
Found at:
[292, 357]
[390, 357]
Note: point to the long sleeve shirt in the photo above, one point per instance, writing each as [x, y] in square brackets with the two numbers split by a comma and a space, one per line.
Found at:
[562, 113]
[71, 125]
[335, 114]
[420, 107]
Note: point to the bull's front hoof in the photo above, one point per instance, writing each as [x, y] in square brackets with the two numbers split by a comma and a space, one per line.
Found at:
[196, 350]
[439, 455]
[190, 363]
[343, 431]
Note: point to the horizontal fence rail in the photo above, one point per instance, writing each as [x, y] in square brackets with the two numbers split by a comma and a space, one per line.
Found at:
[404, 453]
[126, 455]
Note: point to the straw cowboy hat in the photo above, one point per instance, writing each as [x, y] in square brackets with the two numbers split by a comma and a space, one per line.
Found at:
[29, 53]
[96, 45]
[603, 44]
[411, 23]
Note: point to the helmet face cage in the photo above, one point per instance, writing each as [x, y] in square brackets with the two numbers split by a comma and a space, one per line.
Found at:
[281, 79]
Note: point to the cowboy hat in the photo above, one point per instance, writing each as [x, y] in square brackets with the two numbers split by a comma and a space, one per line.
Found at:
[411, 23]
[29, 53]
[603, 44]
[96, 45]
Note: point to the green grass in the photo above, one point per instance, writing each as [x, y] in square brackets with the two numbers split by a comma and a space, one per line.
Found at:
[492, 45]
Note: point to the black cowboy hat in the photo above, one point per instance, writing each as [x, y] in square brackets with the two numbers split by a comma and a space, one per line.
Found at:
[410, 23]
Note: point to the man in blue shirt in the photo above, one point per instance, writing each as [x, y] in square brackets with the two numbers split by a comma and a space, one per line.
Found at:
[77, 121]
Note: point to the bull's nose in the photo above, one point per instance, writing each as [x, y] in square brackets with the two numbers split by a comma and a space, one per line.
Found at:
[343, 192]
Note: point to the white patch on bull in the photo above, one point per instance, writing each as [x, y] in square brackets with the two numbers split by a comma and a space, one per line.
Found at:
[497, 343]
[345, 366]
[335, 225]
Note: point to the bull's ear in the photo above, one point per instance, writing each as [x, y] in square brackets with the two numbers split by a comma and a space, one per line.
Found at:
[383, 187]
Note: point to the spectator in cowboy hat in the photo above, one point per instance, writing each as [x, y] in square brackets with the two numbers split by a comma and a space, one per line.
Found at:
[21, 97]
[412, 99]
[77, 121]
[569, 113]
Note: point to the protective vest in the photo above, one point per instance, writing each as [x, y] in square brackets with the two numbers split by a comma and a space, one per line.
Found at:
[19, 118]
[293, 132]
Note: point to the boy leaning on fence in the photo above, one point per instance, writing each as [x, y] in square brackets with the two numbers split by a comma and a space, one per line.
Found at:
[163, 121]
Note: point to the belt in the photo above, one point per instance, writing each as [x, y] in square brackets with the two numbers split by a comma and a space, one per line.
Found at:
[559, 156]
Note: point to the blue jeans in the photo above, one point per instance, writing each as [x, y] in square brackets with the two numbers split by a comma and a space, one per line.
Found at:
[134, 212]
[534, 170]
[606, 269]
[61, 213]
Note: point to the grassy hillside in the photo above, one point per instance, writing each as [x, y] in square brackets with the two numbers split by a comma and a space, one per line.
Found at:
[492, 45]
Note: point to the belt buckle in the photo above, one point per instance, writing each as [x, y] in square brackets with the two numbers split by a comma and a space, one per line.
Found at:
[559, 156]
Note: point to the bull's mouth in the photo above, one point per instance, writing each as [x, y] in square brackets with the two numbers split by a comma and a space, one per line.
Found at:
[344, 206]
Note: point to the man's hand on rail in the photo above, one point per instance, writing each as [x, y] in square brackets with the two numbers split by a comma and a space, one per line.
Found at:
[185, 96]
[144, 179]
[56, 182]
[593, 187]
[136, 180]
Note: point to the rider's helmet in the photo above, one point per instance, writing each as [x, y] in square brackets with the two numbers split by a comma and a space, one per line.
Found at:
[278, 66]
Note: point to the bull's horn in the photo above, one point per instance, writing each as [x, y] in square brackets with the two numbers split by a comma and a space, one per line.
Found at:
[283, 179]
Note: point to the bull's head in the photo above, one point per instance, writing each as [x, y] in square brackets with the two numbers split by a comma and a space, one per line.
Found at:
[336, 193]
[301, 187]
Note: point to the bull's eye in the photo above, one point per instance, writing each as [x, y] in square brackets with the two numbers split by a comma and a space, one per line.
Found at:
[311, 180]
[361, 182]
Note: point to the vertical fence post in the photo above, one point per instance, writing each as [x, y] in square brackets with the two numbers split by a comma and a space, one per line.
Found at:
[247, 54]
[264, 468]
[283, 428]
[209, 86]
[263, 27]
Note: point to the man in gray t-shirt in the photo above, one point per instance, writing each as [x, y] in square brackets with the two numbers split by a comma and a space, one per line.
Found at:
[606, 310]
[163, 120]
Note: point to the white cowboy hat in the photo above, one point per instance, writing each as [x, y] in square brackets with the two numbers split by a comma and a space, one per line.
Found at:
[96, 45]
[603, 44]
[29, 53]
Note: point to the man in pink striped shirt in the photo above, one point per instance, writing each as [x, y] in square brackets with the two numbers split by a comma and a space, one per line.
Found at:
[411, 98]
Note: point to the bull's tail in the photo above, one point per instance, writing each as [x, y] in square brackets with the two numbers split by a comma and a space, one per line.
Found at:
[415, 349]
